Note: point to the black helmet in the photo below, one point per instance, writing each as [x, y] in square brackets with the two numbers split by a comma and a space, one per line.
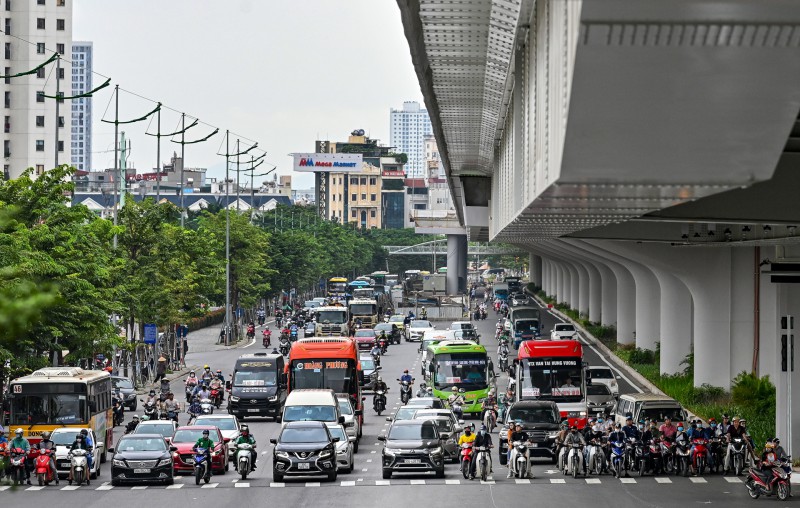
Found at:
[205, 432]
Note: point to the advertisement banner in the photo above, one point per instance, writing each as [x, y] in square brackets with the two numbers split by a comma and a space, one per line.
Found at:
[327, 162]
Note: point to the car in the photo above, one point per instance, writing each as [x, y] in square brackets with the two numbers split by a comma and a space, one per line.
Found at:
[142, 458]
[345, 449]
[468, 334]
[447, 431]
[127, 391]
[412, 446]
[369, 368]
[644, 406]
[458, 424]
[164, 428]
[604, 376]
[63, 438]
[387, 327]
[365, 338]
[403, 413]
[352, 418]
[426, 403]
[461, 325]
[310, 305]
[600, 399]
[399, 320]
[304, 448]
[518, 299]
[308, 329]
[227, 424]
[563, 331]
[417, 328]
[540, 420]
[185, 438]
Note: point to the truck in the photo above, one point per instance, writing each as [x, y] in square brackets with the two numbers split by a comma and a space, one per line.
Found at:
[364, 309]
[332, 321]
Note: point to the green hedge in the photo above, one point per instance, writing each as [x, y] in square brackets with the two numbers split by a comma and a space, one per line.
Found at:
[215, 317]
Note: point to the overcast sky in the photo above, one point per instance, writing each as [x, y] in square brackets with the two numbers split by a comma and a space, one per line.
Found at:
[283, 73]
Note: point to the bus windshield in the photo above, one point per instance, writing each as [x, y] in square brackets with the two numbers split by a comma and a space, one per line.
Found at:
[526, 326]
[363, 309]
[557, 379]
[464, 370]
[335, 317]
[54, 408]
[338, 375]
[256, 377]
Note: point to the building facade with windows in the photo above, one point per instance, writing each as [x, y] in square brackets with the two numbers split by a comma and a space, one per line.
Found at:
[33, 134]
[407, 130]
[81, 127]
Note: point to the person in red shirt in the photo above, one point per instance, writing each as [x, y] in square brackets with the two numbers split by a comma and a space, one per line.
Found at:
[668, 430]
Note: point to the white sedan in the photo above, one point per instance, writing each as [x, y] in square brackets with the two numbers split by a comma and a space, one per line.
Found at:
[417, 329]
[344, 449]
[63, 439]
[227, 424]
[563, 331]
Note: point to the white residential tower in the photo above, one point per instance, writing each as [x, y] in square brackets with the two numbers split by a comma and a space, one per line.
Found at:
[81, 108]
[408, 127]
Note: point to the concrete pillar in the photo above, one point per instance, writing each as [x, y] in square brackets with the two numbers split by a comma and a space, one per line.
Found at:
[608, 300]
[535, 268]
[584, 289]
[676, 322]
[560, 283]
[648, 310]
[545, 274]
[592, 293]
[742, 304]
[595, 293]
[451, 280]
[461, 252]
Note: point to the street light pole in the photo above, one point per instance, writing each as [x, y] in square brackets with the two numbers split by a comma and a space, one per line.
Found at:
[116, 156]
[183, 159]
[58, 100]
[227, 242]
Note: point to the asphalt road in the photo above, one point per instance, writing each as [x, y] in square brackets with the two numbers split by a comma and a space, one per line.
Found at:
[365, 486]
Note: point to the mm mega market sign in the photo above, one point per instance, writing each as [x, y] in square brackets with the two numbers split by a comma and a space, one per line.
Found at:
[330, 162]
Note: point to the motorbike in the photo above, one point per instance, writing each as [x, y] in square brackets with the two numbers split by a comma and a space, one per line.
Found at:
[519, 459]
[202, 469]
[17, 465]
[699, 457]
[207, 406]
[641, 457]
[150, 410]
[618, 460]
[266, 337]
[243, 458]
[775, 481]
[575, 460]
[383, 344]
[380, 401]
[377, 359]
[466, 460]
[251, 332]
[216, 397]
[483, 462]
[119, 414]
[503, 361]
[405, 391]
[490, 418]
[738, 451]
[717, 454]
[395, 337]
[44, 473]
[79, 467]
[667, 457]
[190, 392]
[655, 460]
[596, 458]
[278, 322]
[284, 346]
[682, 458]
[292, 335]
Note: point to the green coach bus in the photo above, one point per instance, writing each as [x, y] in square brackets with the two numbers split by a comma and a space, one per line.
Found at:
[463, 364]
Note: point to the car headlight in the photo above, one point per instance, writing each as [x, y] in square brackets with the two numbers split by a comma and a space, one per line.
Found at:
[552, 435]
[233, 398]
[273, 399]
[437, 451]
[392, 451]
[119, 463]
[325, 454]
[282, 455]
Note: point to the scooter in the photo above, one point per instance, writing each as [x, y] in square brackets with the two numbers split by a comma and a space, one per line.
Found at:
[79, 467]
[656, 464]
[202, 469]
[251, 332]
[380, 401]
[119, 413]
[490, 418]
[405, 391]
[266, 337]
[682, 458]
[17, 464]
[207, 406]
[775, 481]
[575, 460]
[618, 459]
[284, 346]
[243, 458]
[150, 411]
[483, 462]
[44, 473]
[519, 459]
[699, 456]
[384, 345]
[717, 455]
[737, 455]
[466, 460]
[503, 361]
[596, 460]
[641, 457]
[292, 335]
[216, 397]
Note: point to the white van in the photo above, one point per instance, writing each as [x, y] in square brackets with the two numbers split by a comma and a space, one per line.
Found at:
[312, 405]
[642, 406]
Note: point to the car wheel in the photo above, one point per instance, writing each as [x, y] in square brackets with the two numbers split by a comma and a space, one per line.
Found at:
[278, 477]
[115, 483]
[387, 474]
[169, 481]
[440, 473]
[332, 476]
[135, 405]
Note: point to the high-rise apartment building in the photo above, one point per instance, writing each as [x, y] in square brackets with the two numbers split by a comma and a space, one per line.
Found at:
[82, 108]
[407, 131]
[33, 133]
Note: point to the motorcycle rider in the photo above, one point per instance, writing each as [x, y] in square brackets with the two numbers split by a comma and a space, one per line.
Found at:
[456, 399]
[722, 429]
[48, 444]
[22, 443]
[423, 313]
[630, 429]
[246, 438]
[152, 398]
[217, 384]
[489, 404]
[207, 375]
[517, 434]
[668, 429]
[395, 334]
[380, 385]
[171, 405]
[734, 431]
[83, 444]
[207, 444]
[375, 352]
[262, 316]
[575, 437]
[204, 392]
[467, 437]
[751, 456]
[131, 426]
[484, 438]
[651, 432]
[194, 410]
[406, 377]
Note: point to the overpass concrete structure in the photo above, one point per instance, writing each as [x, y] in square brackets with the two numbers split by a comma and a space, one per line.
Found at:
[646, 154]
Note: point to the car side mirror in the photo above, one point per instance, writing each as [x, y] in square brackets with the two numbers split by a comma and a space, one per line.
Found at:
[341, 419]
[171, 448]
[335, 439]
[461, 422]
[358, 412]
[226, 440]
[273, 441]
[363, 399]
[381, 438]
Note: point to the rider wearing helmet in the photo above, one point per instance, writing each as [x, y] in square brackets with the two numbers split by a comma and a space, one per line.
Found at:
[246, 438]
[47, 444]
[406, 377]
[206, 444]
[22, 443]
[132, 424]
[207, 375]
[82, 444]
[484, 438]
[380, 385]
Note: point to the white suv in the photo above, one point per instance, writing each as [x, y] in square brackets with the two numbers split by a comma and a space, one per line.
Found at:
[605, 376]
[563, 331]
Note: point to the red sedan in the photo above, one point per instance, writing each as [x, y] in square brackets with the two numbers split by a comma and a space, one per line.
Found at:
[185, 439]
[365, 338]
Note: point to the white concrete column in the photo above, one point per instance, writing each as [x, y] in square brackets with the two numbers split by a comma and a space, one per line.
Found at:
[574, 285]
[535, 268]
[545, 274]
[550, 288]
[742, 279]
[451, 279]
[595, 293]
[584, 287]
[461, 259]
[561, 294]
[676, 322]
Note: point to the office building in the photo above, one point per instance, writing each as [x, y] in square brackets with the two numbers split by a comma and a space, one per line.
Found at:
[33, 134]
[81, 108]
[408, 128]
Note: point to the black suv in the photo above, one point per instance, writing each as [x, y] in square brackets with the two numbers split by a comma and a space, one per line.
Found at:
[540, 420]
[304, 449]
[412, 446]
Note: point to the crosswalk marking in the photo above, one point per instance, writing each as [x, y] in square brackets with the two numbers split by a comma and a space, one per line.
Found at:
[348, 484]
[520, 481]
[417, 482]
[488, 482]
[364, 470]
[5, 487]
[139, 487]
[76, 487]
[369, 460]
[732, 479]
[277, 485]
[557, 480]
[243, 485]
[660, 479]
[106, 487]
[35, 488]
[173, 486]
[628, 480]
[210, 486]
[312, 484]
[592, 481]
[382, 482]
[234, 480]
[698, 480]
[452, 482]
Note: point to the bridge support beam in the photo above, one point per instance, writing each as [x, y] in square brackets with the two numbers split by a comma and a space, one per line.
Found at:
[535, 267]
[456, 264]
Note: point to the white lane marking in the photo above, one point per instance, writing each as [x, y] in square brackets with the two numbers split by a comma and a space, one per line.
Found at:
[663, 480]
[382, 482]
[452, 482]
[348, 484]
[35, 488]
[364, 470]
[234, 480]
[628, 480]
[373, 451]
[698, 480]
[277, 485]
[520, 481]
[361, 479]
[592, 481]
[263, 453]
[76, 487]
[417, 482]
[369, 460]
[243, 485]
[732, 479]
[5, 487]
[210, 486]
[250, 344]
[139, 487]
[109, 487]
[312, 484]
[173, 486]
[557, 480]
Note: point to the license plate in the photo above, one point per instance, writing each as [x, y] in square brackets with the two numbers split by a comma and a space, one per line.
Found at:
[190, 460]
[304, 465]
[534, 445]
[141, 471]
[253, 410]
[413, 461]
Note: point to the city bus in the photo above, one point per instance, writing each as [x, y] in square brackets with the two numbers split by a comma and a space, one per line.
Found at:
[337, 287]
[554, 370]
[326, 362]
[379, 277]
[462, 364]
[56, 397]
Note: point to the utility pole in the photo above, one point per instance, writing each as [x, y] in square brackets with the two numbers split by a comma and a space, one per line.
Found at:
[58, 100]
[158, 157]
[183, 160]
[116, 156]
[252, 188]
[237, 174]
[227, 242]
